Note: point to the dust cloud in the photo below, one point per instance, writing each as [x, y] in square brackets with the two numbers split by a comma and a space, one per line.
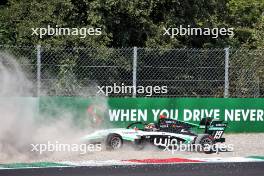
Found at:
[20, 121]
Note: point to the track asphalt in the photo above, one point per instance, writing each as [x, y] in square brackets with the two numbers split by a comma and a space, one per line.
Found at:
[176, 169]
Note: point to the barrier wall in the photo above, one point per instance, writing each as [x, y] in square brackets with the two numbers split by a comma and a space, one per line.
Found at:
[243, 115]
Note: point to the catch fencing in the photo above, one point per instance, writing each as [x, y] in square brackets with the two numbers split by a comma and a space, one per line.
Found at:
[223, 72]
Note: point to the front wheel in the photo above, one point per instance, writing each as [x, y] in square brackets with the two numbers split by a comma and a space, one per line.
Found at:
[114, 142]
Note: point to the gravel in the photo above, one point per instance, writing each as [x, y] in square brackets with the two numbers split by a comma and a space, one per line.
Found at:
[244, 145]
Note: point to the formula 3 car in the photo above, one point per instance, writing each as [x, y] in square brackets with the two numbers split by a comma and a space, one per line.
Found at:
[164, 129]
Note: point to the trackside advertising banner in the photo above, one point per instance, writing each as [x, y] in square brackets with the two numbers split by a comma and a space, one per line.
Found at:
[242, 114]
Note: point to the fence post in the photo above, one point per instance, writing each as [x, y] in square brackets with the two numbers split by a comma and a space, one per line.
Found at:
[226, 92]
[38, 69]
[134, 72]
[258, 84]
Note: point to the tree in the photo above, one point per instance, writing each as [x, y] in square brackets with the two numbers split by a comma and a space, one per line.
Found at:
[20, 17]
[132, 23]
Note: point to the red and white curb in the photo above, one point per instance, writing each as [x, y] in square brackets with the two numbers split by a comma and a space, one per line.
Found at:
[161, 161]
[128, 162]
[230, 159]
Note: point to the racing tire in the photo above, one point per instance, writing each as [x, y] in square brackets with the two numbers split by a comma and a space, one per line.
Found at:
[114, 142]
[204, 143]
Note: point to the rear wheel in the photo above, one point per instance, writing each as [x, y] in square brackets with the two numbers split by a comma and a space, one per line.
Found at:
[114, 142]
[204, 143]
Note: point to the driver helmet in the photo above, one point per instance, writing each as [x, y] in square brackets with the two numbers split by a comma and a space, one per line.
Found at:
[150, 126]
[162, 116]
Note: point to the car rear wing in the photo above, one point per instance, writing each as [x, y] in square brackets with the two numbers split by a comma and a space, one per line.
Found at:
[214, 127]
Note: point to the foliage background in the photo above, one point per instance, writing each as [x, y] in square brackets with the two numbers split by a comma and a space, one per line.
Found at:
[128, 23]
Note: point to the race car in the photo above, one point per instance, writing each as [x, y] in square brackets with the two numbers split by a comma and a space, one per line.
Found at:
[163, 131]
